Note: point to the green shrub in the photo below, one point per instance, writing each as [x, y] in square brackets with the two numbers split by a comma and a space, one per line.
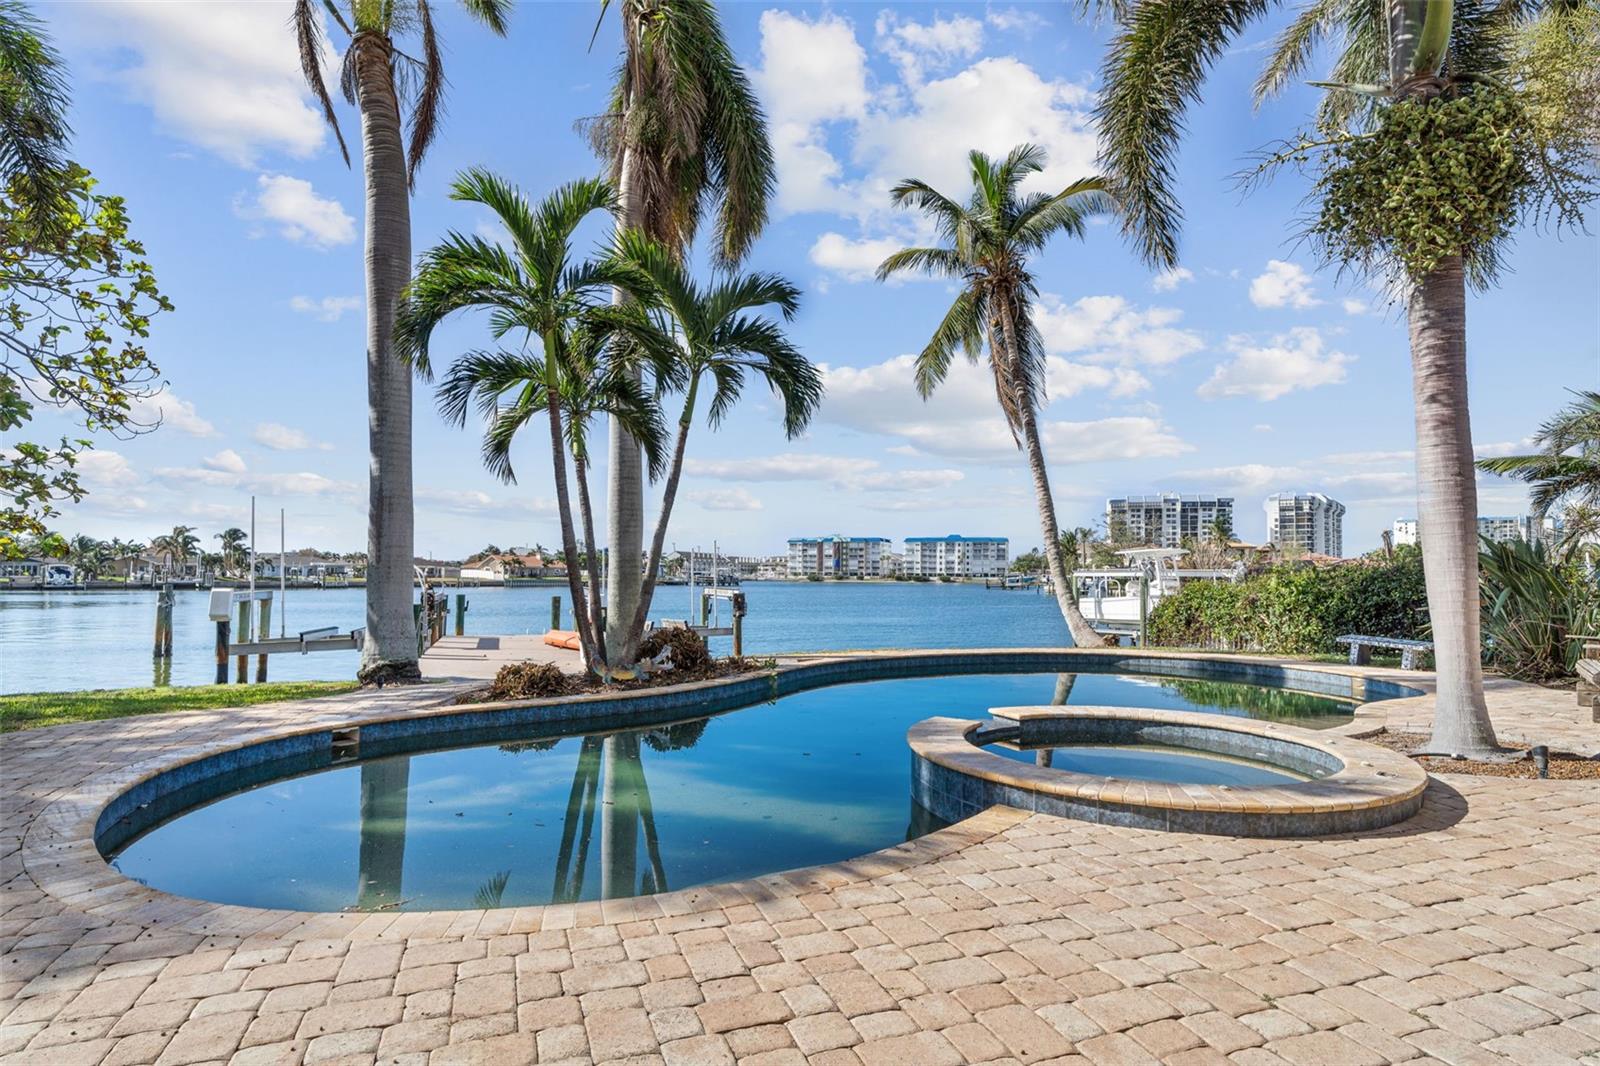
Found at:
[1297, 610]
[1532, 606]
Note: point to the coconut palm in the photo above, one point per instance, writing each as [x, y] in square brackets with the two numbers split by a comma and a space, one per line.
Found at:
[988, 244]
[536, 295]
[708, 334]
[235, 545]
[1431, 96]
[380, 81]
[87, 555]
[177, 547]
[1566, 468]
[684, 134]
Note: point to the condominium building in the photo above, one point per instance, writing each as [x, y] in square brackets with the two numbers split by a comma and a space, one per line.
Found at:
[838, 556]
[1499, 528]
[1310, 521]
[957, 556]
[1168, 519]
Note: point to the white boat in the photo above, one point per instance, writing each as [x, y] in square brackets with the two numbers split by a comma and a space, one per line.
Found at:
[1116, 599]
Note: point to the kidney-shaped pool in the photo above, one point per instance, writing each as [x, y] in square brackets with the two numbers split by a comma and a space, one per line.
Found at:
[813, 777]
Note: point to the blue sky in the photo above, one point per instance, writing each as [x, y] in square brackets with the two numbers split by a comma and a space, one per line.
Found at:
[1248, 371]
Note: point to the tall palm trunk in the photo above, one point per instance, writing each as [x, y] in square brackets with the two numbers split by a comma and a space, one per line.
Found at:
[668, 494]
[569, 538]
[580, 469]
[381, 852]
[390, 651]
[1447, 507]
[625, 488]
[619, 817]
[1083, 634]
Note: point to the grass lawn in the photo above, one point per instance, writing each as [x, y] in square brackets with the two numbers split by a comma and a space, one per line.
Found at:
[30, 710]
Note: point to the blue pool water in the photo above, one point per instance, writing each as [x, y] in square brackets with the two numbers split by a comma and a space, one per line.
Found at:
[1151, 762]
[814, 777]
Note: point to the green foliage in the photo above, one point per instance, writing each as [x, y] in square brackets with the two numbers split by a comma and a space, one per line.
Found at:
[1029, 562]
[1565, 470]
[33, 709]
[76, 300]
[1297, 610]
[1436, 178]
[1532, 606]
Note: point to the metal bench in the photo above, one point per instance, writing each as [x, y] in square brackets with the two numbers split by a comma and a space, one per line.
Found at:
[1411, 651]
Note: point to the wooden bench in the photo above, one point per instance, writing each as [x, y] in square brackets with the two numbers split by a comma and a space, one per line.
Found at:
[1411, 651]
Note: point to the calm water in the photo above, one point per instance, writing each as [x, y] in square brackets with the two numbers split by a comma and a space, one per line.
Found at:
[1152, 762]
[72, 640]
[815, 777]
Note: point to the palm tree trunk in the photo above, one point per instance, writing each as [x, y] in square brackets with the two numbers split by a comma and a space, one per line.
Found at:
[390, 651]
[1447, 508]
[569, 539]
[619, 817]
[580, 468]
[625, 488]
[668, 495]
[381, 854]
[1083, 634]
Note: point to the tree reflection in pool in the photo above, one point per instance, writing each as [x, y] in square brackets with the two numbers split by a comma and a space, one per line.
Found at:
[815, 777]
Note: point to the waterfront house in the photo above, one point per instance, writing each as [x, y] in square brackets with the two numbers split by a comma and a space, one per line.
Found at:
[504, 566]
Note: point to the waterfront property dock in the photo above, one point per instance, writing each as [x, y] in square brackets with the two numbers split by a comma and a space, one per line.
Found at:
[480, 658]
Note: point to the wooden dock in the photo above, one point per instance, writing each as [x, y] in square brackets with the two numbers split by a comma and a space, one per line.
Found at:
[480, 658]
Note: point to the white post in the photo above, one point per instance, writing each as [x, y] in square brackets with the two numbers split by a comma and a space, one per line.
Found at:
[283, 587]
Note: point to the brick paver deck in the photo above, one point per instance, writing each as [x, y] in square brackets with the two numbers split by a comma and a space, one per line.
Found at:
[1469, 934]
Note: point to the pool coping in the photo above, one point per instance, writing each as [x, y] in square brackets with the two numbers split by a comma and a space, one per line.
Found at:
[59, 850]
[1374, 787]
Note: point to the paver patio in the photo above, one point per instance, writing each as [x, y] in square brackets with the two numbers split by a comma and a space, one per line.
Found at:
[1468, 934]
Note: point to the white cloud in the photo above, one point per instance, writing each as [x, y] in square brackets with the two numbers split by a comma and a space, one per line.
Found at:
[225, 77]
[327, 309]
[228, 461]
[299, 214]
[1262, 427]
[1355, 307]
[1012, 18]
[842, 471]
[1283, 285]
[1109, 330]
[1168, 280]
[918, 47]
[282, 438]
[962, 421]
[725, 500]
[102, 469]
[854, 260]
[172, 413]
[1294, 360]
[472, 502]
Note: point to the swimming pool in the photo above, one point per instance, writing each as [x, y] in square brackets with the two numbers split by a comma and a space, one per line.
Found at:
[813, 777]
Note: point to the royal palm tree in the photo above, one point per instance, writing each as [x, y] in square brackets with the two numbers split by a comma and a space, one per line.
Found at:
[684, 133]
[707, 334]
[1565, 471]
[536, 295]
[1429, 98]
[375, 77]
[988, 243]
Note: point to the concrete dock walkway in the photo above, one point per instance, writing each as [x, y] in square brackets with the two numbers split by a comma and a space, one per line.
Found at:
[480, 658]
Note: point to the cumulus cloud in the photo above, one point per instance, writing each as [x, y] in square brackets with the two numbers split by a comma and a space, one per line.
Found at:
[842, 471]
[225, 77]
[227, 460]
[1298, 359]
[282, 438]
[918, 47]
[1110, 330]
[227, 470]
[1168, 280]
[474, 503]
[725, 500]
[854, 260]
[1355, 307]
[172, 412]
[1283, 285]
[326, 309]
[101, 469]
[293, 207]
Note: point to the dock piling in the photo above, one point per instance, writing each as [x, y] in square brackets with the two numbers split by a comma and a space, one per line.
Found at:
[242, 662]
[555, 612]
[265, 631]
[222, 651]
[461, 613]
[163, 639]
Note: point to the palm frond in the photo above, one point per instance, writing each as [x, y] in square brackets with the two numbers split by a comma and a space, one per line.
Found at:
[429, 101]
[746, 291]
[961, 328]
[494, 14]
[487, 375]
[939, 262]
[1067, 212]
[1153, 71]
[948, 216]
[308, 34]
[1294, 47]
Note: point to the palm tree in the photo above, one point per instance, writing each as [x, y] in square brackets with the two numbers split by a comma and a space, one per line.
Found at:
[684, 134]
[1402, 61]
[1566, 468]
[703, 332]
[34, 101]
[235, 542]
[176, 547]
[988, 244]
[534, 292]
[87, 555]
[375, 76]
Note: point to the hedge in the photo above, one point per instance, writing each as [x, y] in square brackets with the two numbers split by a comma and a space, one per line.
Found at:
[1297, 609]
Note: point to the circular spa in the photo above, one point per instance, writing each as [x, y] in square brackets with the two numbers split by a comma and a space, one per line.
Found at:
[1161, 769]
[602, 797]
